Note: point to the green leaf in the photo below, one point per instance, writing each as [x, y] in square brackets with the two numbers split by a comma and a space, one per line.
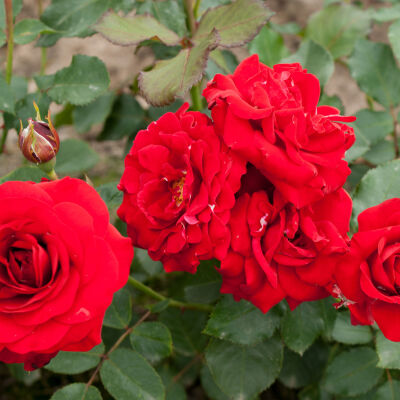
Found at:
[80, 83]
[204, 286]
[374, 68]
[174, 388]
[352, 372]
[122, 5]
[337, 28]
[186, 330]
[244, 371]
[93, 113]
[119, 314]
[236, 23]
[225, 60]
[290, 28]
[298, 371]
[134, 30]
[269, 46]
[169, 12]
[28, 378]
[380, 153]
[48, 39]
[388, 352]
[110, 195]
[24, 109]
[374, 125]
[345, 332]
[143, 263]
[301, 326]
[241, 322]
[209, 385]
[68, 362]
[77, 391]
[75, 156]
[152, 340]
[16, 6]
[27, 30]
[385, 14]
[73, 17]
[377, 185]
[177, 74]
[126, 117]
[6, 97]
[33, 174]
[128, 376]
[389, 391]
[394, 32]
[44, 82]
[315, 58]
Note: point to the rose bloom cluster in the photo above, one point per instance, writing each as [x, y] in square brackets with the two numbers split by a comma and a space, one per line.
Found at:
[258, 186]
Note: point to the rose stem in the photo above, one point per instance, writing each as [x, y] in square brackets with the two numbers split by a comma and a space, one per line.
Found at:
[197, 103]
[43, 61]
[105, 356]
[395, 136]
[10, 51]
[171, 303]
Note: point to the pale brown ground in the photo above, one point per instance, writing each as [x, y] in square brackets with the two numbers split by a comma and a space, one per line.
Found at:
[123, 65]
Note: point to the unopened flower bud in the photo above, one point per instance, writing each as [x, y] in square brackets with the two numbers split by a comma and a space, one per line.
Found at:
[39, 141]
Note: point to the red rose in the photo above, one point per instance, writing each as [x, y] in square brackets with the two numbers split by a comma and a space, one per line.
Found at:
[369, 277]
[179, 184]
[61, 262]
[271, 119]
[278, 251]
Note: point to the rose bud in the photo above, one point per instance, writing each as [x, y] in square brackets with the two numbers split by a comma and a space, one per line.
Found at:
[39, 141]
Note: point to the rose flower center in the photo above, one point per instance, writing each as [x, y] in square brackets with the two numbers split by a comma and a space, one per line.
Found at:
[177, 190]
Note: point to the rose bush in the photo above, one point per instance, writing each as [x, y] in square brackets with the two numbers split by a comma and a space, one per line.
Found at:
[278, 251]
[269, 116]
[179, 186]
[369, 276]
[60, 263]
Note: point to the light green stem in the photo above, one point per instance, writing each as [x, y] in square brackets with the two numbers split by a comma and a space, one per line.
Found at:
[197, 102]
[43, 60]
[171, 302]
[10, 51]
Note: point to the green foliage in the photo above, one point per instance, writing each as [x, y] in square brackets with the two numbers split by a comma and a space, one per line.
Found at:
[80, 83]
[315, 58]
[27, 30]
[74, 17]
[241, 322]
[128, 376]
[110, 194]
[303, 325]
[152, 340]
[77, 391]
[337, 28]
[134, 30]
[269, 45]
[388, 352]
[75, 156]
[374, 68]
[178, 74]
[76, 362]
[119, 314]
[30, 173]
[352, 372]
[345, 332]
[244, 371]
[236, 23]
[377, 185]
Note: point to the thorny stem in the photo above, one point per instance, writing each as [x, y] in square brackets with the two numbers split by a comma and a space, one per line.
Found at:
[171, 302]
[10, 51]
[127, 332]
[395, 135]
[43, 60]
